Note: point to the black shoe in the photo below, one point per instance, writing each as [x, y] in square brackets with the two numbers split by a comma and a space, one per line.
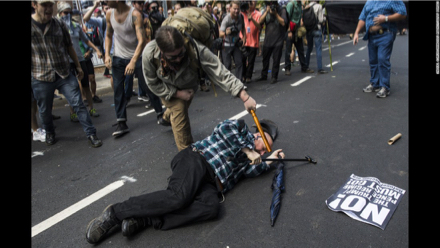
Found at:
[99, 227]
[94, 141]
[121, 129]
[96, 99]
[133, 225]
[50, 139]
[308, 70]
[261, 78]
[161, 121]
[273, 81]
[322, 71]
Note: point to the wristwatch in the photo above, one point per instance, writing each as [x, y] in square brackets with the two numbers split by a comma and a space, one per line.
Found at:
[386, 18]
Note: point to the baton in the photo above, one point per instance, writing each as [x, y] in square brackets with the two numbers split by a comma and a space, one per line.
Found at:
[257, 122]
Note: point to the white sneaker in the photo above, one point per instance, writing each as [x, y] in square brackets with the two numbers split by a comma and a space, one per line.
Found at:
[39, 135]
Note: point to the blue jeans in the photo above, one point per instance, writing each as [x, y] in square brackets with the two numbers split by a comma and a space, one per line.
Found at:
[314, 36]
[380, 47]
[69, 87]
[120, 99]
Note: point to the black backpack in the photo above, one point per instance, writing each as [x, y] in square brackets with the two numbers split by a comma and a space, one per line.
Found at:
[309, 19]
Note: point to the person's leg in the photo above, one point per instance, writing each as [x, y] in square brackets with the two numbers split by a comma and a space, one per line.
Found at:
[309, 48]
[189, 173]
[154, 100]
[43, 94]
[177, 114]
[238, 58]
[277, 54]
[118, 71]
[300, 50]
[204, 207]
[267, 51]
[317, 39]
[384, 50]
[252, 54]
[287, 62]
[69, 87]
[373, 60]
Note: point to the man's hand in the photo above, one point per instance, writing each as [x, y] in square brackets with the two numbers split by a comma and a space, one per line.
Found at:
[80, 73]
[275, 155]
[108, 62]
[355, 39]
[186, 94]
[254, 157]
[379, 19]
[130, 68]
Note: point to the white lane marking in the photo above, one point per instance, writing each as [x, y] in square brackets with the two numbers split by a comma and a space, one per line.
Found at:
[350, 54]
[79, 205]
[243, 113]
[36, 153]
[334, 63]
[148, 112]
[343, 43]
[301, 81]
[362, 48]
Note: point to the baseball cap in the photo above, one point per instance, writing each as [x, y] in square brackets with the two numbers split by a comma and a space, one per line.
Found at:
[45, 1]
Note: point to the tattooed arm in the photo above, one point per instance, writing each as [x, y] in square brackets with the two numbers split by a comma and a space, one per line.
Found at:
[108, 40]
[141, 36]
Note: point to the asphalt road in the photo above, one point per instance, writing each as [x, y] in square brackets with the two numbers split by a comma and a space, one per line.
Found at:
[325, 116]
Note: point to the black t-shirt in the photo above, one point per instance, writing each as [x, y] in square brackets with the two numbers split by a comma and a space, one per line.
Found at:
[42, 26]
[275, 33]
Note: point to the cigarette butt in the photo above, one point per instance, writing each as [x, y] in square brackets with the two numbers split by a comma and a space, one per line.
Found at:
[394, 139]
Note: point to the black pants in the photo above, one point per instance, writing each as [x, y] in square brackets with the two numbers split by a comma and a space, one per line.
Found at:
[276, 53]
[191, 196]
[299, 48]
[248, 67]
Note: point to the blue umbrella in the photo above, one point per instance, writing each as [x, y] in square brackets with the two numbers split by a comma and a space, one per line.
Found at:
[277, 188]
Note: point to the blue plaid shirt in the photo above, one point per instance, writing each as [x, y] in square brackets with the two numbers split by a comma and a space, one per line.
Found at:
[227, 140]
[373, 8]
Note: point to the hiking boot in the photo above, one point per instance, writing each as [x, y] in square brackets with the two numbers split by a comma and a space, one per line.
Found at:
[370, 88]
[94, 141]
[383, 92]
[121, 129]
[50, 139]
[133, 225]
[93, 113]
[99, 227]
[287, 72]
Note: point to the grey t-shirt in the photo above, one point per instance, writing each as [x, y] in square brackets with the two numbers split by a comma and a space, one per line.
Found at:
[229, 22]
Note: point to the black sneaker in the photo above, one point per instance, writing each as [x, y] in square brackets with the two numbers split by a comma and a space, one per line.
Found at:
[94, 141]
[96, 99]
[50, 139]
[121, 129]
[273, 81]
[308, 70]
[99, 227]
[161, 121]
[261, 78]
[133, 225]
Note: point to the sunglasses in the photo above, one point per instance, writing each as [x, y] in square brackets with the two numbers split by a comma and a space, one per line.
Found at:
[180, 55]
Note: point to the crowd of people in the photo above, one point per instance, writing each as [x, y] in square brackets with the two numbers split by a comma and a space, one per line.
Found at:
[129, 37]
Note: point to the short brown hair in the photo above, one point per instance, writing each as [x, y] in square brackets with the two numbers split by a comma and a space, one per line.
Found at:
[168, 39]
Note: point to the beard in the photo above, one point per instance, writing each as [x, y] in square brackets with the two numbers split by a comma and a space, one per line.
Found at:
[175, 66]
